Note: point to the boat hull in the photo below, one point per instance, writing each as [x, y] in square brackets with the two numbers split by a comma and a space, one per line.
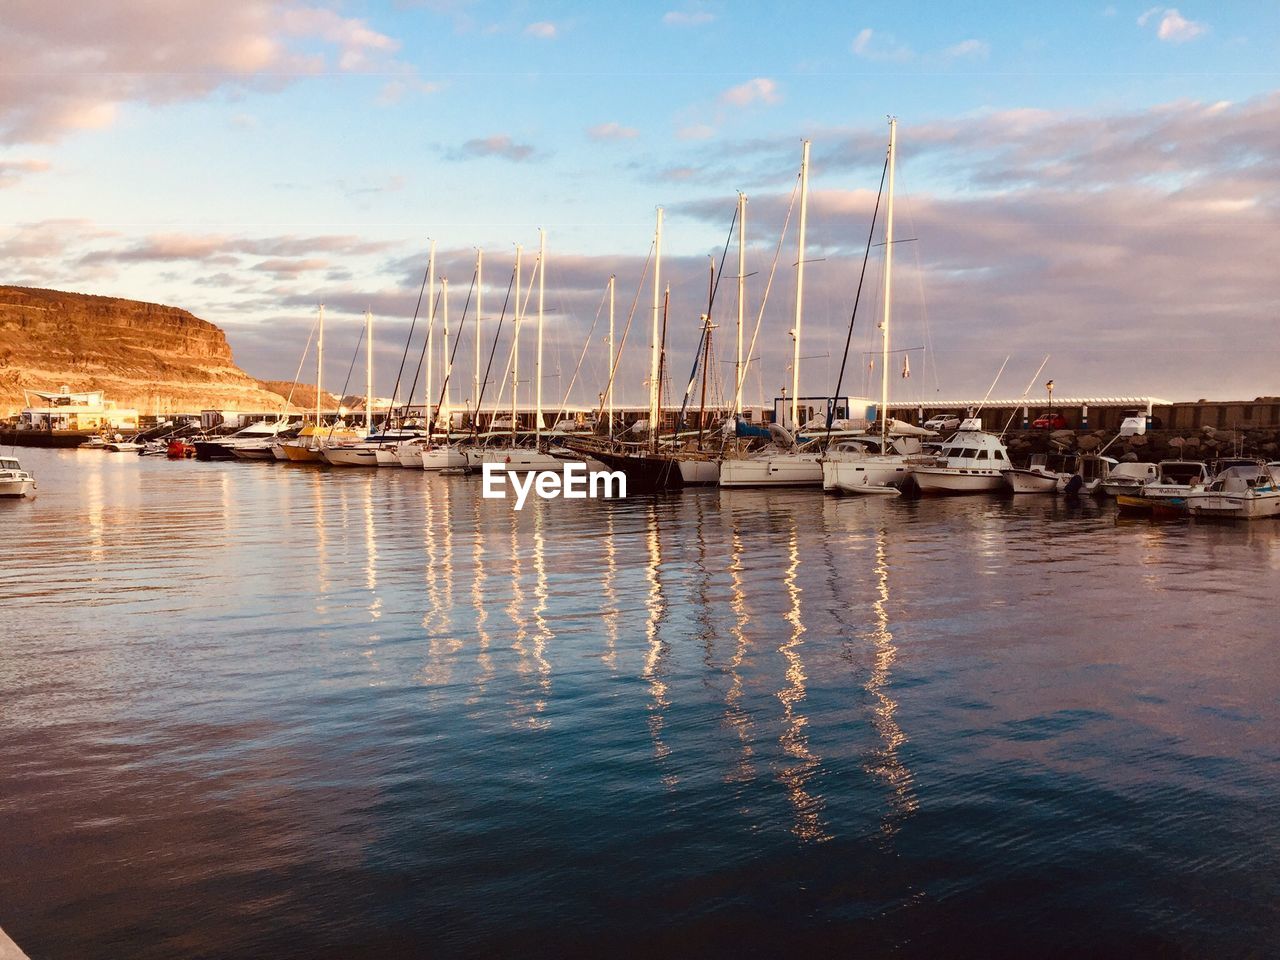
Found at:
[862, 472]
[958, 480]
[351, 456]
[1234, 506]
[646, 473]
[64, 439]
[389, 456]
[780, 471]
[442, 458]
[699, 472]
[297, 453]
[1030, 481]
[865, 488]
[17, 488]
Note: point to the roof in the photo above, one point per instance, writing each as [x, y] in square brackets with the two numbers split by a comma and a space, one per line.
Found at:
[1035, 401]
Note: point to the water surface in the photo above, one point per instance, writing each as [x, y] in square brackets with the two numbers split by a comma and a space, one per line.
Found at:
[263, 710]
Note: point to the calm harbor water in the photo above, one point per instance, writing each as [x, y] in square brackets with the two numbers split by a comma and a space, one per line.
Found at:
[254, 710]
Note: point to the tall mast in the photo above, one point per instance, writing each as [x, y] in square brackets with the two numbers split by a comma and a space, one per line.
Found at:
[445, 358]
[475, 382]
[515, 350]
[612, 279]
[368, 372]
[662, 351]
[888, 288]
[431, 329]
[742, 282]
[654, 345]
[537, 367]
[795, 332]
[319, 364]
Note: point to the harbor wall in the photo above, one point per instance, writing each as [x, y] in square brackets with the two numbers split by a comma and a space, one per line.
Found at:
[1191, 443]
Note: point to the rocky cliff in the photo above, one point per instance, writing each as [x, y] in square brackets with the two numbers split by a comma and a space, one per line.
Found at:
[153, 358]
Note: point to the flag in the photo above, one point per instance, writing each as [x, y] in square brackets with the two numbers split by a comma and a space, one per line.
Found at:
[906, 366]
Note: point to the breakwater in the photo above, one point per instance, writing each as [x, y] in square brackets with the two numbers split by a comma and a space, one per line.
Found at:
[1202, 443]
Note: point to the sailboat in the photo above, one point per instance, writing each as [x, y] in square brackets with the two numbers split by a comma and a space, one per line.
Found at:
[511, 455]
[863, 465]
[785, 461]
[647, 468]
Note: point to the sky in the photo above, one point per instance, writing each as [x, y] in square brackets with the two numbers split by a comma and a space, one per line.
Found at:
[1095, 183]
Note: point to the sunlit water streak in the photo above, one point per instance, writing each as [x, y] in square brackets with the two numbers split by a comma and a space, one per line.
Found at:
[262, 710]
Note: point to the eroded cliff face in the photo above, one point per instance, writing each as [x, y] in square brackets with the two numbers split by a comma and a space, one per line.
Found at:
[153, 358]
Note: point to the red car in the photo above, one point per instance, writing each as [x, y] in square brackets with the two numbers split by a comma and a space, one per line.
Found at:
[1050, 421]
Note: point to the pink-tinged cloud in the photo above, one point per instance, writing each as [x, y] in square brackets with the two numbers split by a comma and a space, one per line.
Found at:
[756, 90]
[70, 70]
[498, 145]
[543, 30]
[12, 171]
[612, 131]
[1172, 26]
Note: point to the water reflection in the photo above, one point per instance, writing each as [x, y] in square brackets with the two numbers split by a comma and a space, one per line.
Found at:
[736, 716]
[480, 606]
[803, 761]
[886, 764]
[610, 590]
[191, 653]
[658, 649]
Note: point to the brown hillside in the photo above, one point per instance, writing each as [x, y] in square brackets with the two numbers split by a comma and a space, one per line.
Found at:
[154, 358]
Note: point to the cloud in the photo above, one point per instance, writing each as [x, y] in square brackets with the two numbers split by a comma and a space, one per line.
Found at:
[971, 49]
[11, 171]
[687, 18]
[499, 145]
[1173, 26]
[696, 131]
[757, 90]
[612, 131]
[543, 30]
[868, 47]
[65, 73]
[1064, 233]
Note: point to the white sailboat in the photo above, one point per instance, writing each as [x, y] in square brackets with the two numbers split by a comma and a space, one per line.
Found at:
[784, 462]
[509, 455]
[861, 466]
[359, 453]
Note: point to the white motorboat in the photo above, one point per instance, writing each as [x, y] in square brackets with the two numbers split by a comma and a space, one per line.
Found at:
[14, 481]
[1247, 492]
[1036, 477]
[1168, 491]
[970, 461]
[1032, 479]
[1128, 478]
[1087, 475]
[123, 446]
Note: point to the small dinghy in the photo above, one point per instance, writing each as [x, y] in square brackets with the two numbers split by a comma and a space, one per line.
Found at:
[865, 488]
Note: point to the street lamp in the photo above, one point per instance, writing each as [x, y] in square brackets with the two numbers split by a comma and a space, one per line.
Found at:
[1049, 386]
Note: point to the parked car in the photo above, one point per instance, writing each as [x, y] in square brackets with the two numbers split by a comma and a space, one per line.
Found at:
[942, 423]
[1050, 421]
